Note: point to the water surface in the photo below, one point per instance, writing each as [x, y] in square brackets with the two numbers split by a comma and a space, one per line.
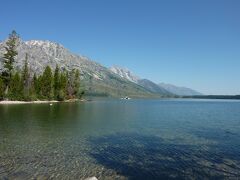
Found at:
[118, 139]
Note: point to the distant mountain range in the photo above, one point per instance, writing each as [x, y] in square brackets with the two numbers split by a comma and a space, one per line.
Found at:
[96, 79]
[181, 91]
[161, 88]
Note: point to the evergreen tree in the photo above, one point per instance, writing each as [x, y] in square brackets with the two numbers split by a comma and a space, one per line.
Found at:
[1, 88]
[47, 83]
[37, 83]
[32, 88]
[56, 83]
[76, 83]
[26, 79]
[9, 58]
[63, 86]
[35, 80]
[16, 87]
[70, 84]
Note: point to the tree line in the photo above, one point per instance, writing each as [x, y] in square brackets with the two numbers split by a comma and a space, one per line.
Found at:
[21, 85]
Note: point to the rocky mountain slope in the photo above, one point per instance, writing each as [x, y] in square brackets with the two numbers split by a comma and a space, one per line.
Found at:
[163, 89]
[181, 91]
[125, 73]
[153, 87]
[147, 84]
[96, 79]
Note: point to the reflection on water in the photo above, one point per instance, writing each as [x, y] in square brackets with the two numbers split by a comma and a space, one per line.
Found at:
[141, 139]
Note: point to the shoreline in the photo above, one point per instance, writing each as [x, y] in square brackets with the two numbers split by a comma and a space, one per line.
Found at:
[38, 102]
[27, 102]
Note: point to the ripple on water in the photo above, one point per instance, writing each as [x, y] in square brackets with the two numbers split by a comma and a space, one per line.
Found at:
[121, 140]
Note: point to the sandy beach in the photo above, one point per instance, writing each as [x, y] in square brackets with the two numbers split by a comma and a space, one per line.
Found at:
[39, 102]
[26, 102]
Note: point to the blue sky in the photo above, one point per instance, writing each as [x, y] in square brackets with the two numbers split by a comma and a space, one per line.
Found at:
[193, 43]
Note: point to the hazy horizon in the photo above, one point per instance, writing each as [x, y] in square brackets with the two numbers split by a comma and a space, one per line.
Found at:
[190, 44]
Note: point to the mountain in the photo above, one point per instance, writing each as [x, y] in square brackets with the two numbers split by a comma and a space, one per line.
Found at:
[153, 87]
[96, 79]
[145, 83]
[161, 89]
[181, 91]
[125, 73]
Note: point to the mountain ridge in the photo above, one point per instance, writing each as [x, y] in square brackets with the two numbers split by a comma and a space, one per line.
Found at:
[180, 91]
[124, 73]
[96, 79]
[161, 88]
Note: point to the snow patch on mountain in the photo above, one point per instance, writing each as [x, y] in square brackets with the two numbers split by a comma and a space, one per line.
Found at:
[125, 73]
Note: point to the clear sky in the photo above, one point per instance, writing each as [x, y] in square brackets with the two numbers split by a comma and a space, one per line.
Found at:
[193, 43]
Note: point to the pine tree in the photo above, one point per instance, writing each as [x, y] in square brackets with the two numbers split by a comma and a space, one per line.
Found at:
[32, 88]
[38, 86]
[47, 83]
[16, 87]
[70, 84]
[56, 83]
[35, 81]
[1, 88]
[26, 79]
[9, 58]
[63, 86]
[76, 83]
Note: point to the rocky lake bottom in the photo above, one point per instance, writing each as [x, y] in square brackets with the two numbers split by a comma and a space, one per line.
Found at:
[119, 139]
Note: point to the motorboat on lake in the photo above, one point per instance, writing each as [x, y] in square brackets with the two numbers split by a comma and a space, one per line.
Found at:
[126, 98]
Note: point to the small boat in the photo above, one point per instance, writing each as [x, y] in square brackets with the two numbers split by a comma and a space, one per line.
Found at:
[126, 98]
[50, 104]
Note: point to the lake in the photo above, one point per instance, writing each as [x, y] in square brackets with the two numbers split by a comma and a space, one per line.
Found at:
[121, 139]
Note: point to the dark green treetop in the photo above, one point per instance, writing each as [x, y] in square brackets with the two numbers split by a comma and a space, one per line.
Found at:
[9, 57]
[47, 83]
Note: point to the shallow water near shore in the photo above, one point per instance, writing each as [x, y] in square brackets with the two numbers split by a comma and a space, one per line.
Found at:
[121, 139]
